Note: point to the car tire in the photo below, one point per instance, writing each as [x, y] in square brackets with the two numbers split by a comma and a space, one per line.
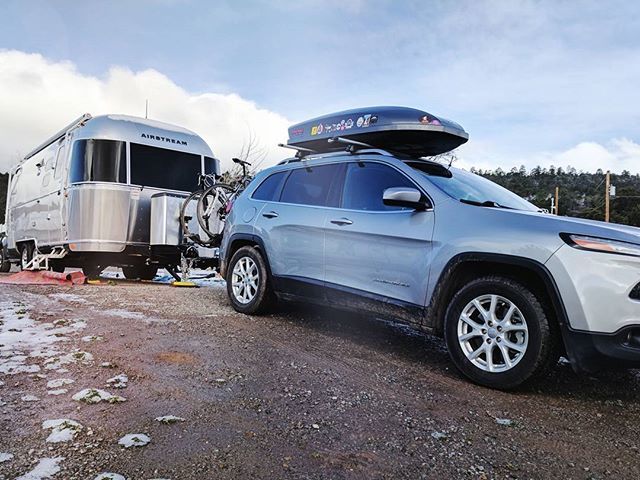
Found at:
[498, 334]
[140, 272]
[248, 283]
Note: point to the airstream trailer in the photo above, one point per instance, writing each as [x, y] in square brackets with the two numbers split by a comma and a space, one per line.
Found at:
[86, 197]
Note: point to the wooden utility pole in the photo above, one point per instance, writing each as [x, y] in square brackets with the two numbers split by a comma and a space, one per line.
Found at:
[606, 196]
[557, 199]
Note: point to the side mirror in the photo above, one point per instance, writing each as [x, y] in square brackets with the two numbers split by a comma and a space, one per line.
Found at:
[405, 197]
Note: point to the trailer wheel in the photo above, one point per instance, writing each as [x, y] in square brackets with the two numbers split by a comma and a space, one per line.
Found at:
[140, 272]
[92, 272]
[26, 254]
[57, 267]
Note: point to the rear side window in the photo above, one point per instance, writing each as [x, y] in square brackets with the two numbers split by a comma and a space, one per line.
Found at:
[99, 161]
[365, 184]
[269, 190]
[312, 186]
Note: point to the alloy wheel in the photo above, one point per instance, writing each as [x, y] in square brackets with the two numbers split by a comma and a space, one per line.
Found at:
[493, 333]
[245, 280]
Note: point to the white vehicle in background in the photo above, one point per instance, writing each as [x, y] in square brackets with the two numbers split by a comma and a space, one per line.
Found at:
[86, 197]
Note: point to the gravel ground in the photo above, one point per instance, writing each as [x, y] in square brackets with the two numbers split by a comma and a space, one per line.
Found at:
[304, 393]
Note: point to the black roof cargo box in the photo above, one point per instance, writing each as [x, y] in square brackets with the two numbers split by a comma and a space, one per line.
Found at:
[399, 129]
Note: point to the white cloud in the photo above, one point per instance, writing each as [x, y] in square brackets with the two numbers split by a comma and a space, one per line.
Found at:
[38, 97]
[616, 155]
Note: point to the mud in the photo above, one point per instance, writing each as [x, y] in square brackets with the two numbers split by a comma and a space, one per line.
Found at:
[302, 393]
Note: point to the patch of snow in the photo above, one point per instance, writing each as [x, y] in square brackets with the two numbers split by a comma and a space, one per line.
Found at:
[55, 363]
[504, 421]
[91, 338]
[29, 398]
[107, 365]
[119, 312]
[119, 381]
[22, 338]
[439, 435]
[95, 395]
[5, 457]
[62, 430]
[134, 440]
[68, 297]
[59, 391]
[167, 419]
[46, 468]
[59, 382]
[109, 476]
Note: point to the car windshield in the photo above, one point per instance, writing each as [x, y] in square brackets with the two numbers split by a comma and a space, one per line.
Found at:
[471, 188]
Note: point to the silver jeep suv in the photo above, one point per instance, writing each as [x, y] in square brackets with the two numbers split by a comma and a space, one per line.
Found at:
[510, 288]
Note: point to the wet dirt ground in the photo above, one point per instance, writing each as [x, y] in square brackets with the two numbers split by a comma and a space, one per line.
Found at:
[304, 393]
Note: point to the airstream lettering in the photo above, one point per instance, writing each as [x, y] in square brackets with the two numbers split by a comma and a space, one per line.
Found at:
[87, 192]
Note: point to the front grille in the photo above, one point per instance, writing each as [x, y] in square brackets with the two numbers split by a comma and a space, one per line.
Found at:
[635, 293]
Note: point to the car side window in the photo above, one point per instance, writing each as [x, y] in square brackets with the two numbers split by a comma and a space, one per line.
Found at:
[313, 186]
[365, 184]
[269, 189]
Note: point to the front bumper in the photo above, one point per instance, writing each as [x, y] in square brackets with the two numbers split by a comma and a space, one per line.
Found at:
[597, 289]
[591, 352]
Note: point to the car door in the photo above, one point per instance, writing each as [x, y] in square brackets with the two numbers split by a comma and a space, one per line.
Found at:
[373, 250]
[291, 226]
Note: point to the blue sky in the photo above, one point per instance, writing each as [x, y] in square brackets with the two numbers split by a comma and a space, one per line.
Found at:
[530, 81]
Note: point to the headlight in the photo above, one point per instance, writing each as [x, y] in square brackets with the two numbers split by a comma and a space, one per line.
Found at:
[602, 245]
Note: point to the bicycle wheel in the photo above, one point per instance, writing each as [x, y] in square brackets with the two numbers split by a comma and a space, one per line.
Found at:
[213, 207]
[186, 215]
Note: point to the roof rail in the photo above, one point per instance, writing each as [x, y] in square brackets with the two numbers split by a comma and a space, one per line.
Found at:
[76, 123]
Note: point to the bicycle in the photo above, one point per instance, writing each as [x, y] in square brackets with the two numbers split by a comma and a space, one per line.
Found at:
[214, 202]
[204, 183]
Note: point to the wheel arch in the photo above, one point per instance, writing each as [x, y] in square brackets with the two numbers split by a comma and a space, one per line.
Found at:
[467, 266]
[236, 242]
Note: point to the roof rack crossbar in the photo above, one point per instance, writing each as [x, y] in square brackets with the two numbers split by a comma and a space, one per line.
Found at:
[300, 151]
[77, 122]
[354, 145]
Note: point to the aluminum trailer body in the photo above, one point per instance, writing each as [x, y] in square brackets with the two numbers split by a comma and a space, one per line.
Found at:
[88, 189]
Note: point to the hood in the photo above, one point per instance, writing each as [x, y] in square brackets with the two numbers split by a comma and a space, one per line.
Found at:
[581, 226]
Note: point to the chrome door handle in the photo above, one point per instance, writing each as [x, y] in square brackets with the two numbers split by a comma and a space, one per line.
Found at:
[342, 221]
[270, 215]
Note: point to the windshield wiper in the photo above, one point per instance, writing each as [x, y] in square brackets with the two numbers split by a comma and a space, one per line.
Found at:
[486, 203]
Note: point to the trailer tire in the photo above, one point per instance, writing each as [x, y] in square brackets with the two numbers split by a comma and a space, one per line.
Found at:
[57, 267]
[141, 272]
[26, 254]
[92, 272]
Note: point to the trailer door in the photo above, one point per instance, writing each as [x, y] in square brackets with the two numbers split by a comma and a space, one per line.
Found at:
[57, 199]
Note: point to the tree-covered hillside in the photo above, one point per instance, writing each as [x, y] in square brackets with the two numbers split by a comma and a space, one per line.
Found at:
[581, 194]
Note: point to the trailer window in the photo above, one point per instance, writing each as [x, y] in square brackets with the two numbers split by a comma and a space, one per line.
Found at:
[99, 161]
[163, 168]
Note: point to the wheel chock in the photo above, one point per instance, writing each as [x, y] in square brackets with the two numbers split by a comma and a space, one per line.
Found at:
[184, 284]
